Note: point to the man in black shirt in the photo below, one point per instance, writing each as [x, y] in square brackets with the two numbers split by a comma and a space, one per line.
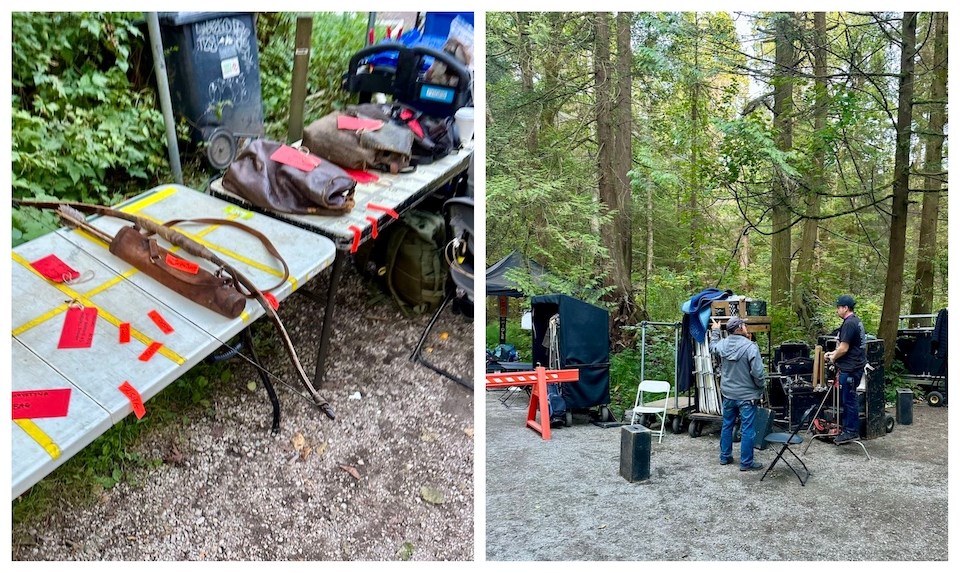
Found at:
[850, 358]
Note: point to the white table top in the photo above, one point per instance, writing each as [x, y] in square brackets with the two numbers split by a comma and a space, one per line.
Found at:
[398, 192]
[123, 294]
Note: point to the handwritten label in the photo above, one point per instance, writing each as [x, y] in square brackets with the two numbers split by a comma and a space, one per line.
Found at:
[78, 327]
[182, 264]
[232, 211]
[53, 268]
[150, 351]
[162, 324]
[124, 332]
[135, 399]
[295, 158]
[355, 123]
[272, 300]
[41, 403]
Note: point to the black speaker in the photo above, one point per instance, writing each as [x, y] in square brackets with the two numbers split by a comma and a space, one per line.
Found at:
[904, 406]
[635, 453]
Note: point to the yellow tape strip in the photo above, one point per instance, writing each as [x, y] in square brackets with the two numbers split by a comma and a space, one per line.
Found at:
[148, 200]
[74, 295]
[39, 436]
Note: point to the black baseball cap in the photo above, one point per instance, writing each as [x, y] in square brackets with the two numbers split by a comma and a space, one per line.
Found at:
[846, 300]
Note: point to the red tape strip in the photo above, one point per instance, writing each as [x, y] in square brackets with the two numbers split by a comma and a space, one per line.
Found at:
[393, 214]
[135, 399]
[150, 351]
[356, 238]
[272, 300]
[162, 324]
[124, 332]
[373, 224]
[182, 264]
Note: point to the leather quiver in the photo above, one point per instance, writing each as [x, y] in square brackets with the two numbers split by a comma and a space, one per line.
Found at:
[204, 288]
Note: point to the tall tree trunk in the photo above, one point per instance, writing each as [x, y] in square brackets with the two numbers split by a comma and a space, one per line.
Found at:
[613, 160]
[803, 281]
[623, 155]
[780, 249]
[922, 301]
[890, 316]
[695, 130]
[525, 57]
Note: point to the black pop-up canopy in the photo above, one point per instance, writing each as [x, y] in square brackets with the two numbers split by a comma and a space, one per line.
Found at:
[584, 343]
[497, 282]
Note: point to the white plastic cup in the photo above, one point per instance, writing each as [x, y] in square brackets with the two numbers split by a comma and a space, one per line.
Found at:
[464, 121]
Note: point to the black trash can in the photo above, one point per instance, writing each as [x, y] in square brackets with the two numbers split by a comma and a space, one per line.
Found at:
[904, 406]
[213, 69]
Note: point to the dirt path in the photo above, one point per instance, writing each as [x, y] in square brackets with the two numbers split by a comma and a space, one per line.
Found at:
[565, 500]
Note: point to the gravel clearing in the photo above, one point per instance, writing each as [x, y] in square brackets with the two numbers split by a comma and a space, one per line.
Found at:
[564, 500]
[390, 479]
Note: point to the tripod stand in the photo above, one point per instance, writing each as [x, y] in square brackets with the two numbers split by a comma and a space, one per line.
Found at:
[822, 428]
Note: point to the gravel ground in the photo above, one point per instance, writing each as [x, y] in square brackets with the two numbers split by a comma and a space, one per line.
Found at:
[390, 479]
[564, 499]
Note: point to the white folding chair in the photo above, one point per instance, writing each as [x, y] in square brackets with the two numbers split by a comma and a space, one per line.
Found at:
[644, 405]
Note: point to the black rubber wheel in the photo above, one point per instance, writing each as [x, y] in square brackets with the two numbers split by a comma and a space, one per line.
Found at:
[605, 414]
[695, 429]
[568, 418]
[676, 426]
[935, 399]
[221, 148]
[889, 423]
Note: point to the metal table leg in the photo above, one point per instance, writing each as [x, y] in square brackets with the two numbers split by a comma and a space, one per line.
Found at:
[271, 392]
[328, 317]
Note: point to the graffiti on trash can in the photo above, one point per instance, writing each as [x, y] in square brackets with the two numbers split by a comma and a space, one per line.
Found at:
[231, 39]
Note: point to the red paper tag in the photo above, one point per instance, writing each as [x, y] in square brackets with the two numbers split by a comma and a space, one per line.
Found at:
[356, 238]
[160, 322]
[295, 158]
[150, 351]
[393, 214]
[41, 403]
[124, 332]
[78, 327]
[373, 226]
[135, 399]
[54, 269]
[361, 176]
[272, 300]
[355, 123]
[414, 126]
[182, 264]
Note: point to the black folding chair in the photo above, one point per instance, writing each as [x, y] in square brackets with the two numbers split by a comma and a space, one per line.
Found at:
[787, 439]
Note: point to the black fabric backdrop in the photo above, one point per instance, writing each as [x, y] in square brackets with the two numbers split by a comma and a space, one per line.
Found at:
[584, 343]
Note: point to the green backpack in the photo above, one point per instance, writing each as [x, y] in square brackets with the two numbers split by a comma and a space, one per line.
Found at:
[408, 261]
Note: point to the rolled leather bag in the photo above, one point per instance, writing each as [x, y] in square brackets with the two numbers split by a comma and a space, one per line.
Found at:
[388, 148]
[275, 186]
[204, 288]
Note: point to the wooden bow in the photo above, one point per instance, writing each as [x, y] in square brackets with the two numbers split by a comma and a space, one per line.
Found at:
[70, 214]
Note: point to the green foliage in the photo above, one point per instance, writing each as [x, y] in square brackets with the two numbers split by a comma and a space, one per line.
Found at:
[336, 36]
[80, 130]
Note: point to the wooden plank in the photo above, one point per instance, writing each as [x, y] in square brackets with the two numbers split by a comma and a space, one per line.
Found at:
[398, 192]
[85, 421]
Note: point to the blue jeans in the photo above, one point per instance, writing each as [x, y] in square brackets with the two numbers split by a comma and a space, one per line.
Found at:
[747, 410]
[848, 398]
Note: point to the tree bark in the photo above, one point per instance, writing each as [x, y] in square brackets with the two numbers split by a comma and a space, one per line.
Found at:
[780, 249]
[893, 292]
[803, 287]
[922, 301]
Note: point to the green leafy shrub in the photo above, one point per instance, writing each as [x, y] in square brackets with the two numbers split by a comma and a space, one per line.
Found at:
[80, 130]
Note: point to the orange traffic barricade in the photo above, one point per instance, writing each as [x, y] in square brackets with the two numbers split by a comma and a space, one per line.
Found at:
[539, 378]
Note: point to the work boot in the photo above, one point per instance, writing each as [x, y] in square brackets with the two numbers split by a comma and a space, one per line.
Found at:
[845, 437]
[725, 461]
[752, 467]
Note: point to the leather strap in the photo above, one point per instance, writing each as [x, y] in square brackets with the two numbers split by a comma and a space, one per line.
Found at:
[263, 239]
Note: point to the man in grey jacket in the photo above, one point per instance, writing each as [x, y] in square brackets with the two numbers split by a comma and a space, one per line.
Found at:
[741, 384]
